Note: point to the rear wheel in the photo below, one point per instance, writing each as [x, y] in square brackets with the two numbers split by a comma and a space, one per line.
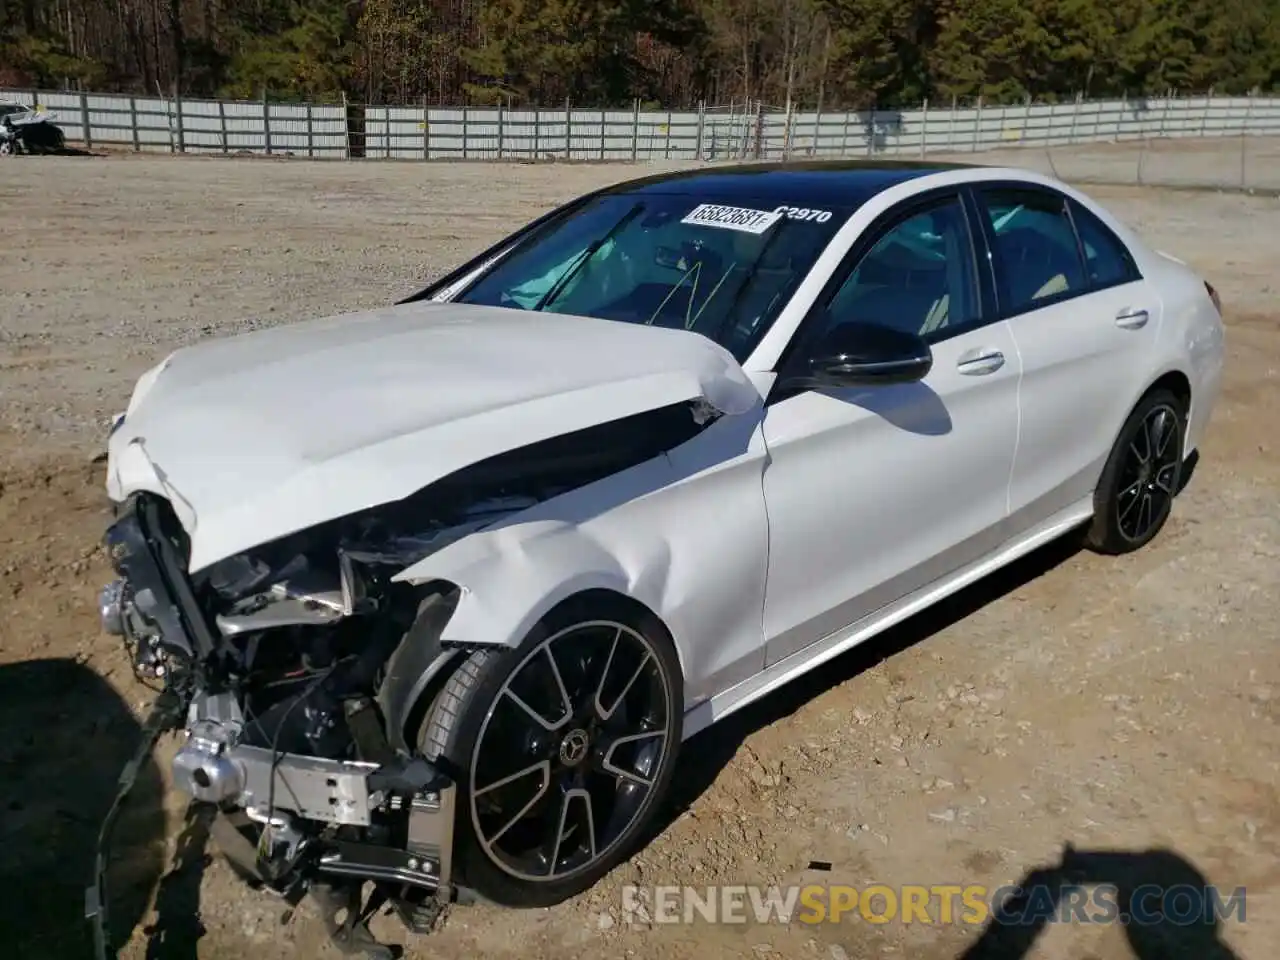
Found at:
[562, 749]
[1141, 477]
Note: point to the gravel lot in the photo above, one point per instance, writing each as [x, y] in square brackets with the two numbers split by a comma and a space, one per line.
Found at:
[1126, 705]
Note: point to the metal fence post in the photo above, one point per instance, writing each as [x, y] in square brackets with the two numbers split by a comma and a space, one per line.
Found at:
[464, 131]
[603, 123]
[701, 121]
[84, 122]
[222, 125]
[537, 132]
[759, 129]
[666, 147]
[310, 130]
[426, 129]
[568, 129]
[977, 125]
[1244, 140]
[133, 123]
[844, 135]
[1026, 120]
[346, 128]
[500, 131]
[1164, 115]
[1204, 117]
[177, 132]
[266, 123]
[924, 127]
[182, 129]
[1142, 151]
[635, 130]
[168, 116]
[1075, 118]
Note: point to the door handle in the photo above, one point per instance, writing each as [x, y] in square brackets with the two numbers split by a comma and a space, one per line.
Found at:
[1128, 319]
[978, 362]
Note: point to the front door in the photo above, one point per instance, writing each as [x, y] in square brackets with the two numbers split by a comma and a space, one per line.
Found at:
[874, 492]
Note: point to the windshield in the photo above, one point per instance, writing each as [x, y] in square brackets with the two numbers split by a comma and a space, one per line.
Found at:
[724, 270]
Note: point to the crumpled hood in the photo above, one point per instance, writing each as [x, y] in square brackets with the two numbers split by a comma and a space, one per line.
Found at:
[260, 435]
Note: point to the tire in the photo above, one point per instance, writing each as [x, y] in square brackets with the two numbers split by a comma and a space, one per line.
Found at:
[1135, 496]
[538, 765]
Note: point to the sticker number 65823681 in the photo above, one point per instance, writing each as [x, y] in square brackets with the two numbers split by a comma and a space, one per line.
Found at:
[804, 213]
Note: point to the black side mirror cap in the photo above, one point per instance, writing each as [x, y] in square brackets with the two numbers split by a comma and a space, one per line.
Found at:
[865, 354]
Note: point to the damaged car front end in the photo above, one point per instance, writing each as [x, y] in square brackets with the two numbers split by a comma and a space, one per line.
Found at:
[295, 669]
[270, 664]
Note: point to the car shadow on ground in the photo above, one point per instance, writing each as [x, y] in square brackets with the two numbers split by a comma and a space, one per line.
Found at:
[65, 737]
[705, 754]
[1158, 895]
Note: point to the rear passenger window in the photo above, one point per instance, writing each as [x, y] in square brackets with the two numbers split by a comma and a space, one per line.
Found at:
[1107, 261]
[1037, 258]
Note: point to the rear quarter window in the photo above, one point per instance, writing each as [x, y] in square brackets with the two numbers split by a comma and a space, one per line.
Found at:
[1107, 260]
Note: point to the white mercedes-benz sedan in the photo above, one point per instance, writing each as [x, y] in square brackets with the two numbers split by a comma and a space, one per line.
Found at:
[437, 591]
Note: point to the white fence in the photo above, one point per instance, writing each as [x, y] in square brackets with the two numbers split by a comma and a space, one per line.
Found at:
[464, 133]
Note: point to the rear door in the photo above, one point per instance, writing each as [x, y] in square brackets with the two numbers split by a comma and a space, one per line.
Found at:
[1083, 319]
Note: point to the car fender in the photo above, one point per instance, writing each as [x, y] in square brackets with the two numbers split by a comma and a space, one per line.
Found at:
[510, 577]
[491, 593]
[655, 533]
[1191, 342]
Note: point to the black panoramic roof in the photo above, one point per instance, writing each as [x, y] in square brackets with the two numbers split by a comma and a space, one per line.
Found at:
[835, 182]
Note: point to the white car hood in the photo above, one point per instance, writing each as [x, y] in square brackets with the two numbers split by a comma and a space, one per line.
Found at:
[260, 435]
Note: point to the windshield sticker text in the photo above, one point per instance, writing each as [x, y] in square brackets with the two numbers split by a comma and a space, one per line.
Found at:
[732, 218]
[804, 213]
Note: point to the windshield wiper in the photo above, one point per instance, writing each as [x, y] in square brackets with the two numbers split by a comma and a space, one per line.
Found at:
[778, 229]
[559, 286]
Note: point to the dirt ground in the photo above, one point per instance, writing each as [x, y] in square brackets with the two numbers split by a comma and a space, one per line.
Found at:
[1126, 706]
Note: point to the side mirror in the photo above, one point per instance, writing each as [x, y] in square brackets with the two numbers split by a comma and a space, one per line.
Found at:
[863, 354]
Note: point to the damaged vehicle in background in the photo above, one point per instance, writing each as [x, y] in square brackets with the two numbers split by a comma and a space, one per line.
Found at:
[28, 130]
[437, 591]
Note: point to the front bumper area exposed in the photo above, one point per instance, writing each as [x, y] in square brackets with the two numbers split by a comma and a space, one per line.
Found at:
[294, 822]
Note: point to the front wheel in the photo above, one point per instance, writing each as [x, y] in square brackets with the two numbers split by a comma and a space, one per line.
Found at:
[1141, 477]
[562, 749]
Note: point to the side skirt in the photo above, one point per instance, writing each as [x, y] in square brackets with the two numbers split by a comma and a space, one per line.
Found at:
[709, 711]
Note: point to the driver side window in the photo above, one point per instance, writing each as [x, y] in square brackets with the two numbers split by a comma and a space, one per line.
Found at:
[918, 277]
